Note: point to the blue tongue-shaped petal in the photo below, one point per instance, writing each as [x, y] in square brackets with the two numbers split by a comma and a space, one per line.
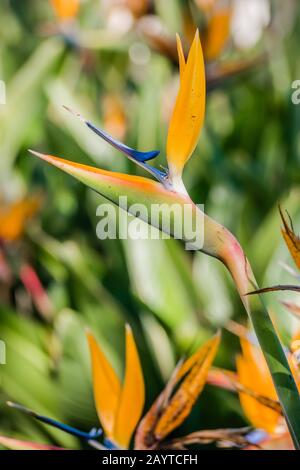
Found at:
[94, 434]
[138, 157]
[131, 153]
[135, 154]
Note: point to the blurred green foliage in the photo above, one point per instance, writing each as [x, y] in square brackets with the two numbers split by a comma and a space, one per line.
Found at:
[246, 163]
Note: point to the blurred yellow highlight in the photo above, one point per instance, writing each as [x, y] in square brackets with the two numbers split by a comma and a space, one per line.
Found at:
[14, 217]
[65, 9]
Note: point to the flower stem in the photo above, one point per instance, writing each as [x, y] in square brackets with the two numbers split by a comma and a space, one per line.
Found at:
[228, 250]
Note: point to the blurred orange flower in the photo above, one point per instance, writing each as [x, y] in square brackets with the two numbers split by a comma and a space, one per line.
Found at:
[65, 9]
[217, 33]
[13, 218]
[114, 116]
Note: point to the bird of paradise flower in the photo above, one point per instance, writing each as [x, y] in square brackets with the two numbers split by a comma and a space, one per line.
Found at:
[184, 131]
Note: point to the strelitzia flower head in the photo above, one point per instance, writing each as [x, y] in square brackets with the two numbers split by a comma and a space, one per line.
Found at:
[185, 126]
[119, 406]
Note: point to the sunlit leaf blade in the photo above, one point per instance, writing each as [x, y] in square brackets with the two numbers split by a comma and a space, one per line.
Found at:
[17, 444]
[132, 398]
[217, 34]
[291, 239]
[253, 374]
[188, 115]
[107, 387]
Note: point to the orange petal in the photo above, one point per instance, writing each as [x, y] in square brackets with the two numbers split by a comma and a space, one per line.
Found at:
[217, 34]
[181, 57]
[196, 370]
[291, 240]
[253, 373]
[14, 217]
[132, 397]
[188, 115]
[107, 387]
[65, 9]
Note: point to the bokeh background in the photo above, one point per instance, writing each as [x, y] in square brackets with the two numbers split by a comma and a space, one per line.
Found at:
[115, 62]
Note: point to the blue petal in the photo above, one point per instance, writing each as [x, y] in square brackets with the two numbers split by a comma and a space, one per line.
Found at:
[140, 158]
[93, 434]
[135, 154]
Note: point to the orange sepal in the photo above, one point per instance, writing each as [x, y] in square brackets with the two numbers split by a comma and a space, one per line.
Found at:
[253, 373]
[188, 114]
[132, 398]
[106, 385]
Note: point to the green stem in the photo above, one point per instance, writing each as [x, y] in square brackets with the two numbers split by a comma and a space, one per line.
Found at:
[232, 255]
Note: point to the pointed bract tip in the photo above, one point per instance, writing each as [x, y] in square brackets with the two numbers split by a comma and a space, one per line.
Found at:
[17, 406]
[74, 113]
[36, 154]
